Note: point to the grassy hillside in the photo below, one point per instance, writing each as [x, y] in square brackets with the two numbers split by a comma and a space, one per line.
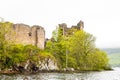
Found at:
[114, 56]
[114, 59]
[111, 50]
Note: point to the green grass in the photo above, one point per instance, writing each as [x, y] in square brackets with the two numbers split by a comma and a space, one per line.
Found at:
[114, 59]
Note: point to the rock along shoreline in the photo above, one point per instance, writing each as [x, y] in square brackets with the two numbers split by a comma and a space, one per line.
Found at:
[12, 72]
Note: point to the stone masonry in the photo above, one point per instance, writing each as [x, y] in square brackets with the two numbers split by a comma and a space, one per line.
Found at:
[25, 35]
[66, 31]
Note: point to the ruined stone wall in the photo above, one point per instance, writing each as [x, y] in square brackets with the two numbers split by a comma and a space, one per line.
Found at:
[39, 36]
[68, 31]
[25, 35]
[80, 25]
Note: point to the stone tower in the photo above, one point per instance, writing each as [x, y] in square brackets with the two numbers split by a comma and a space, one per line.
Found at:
[69, 31]
[39, 36]
[25, 35]
[63, 26]
[80, 25]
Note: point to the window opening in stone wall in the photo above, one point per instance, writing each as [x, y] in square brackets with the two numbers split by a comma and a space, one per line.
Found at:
[29, 34]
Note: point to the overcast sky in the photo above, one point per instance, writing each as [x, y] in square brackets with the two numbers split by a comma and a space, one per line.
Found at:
[101, 17]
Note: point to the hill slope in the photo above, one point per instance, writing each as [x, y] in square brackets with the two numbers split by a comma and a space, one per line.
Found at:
[113, 55]
[114, 59]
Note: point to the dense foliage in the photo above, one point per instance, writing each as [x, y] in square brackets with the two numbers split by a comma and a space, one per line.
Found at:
[77, 51]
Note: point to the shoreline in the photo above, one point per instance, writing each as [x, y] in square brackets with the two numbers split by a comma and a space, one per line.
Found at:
[11, 72]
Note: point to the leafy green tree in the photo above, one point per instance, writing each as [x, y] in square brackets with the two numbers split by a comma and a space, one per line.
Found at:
[5, 42]
[5, 32]
[82, 48]
[58, 49]
[81, 44]
[97, 60]
[16, 51]
[55, 34]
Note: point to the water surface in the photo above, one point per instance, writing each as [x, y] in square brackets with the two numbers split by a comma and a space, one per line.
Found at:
[103, 75]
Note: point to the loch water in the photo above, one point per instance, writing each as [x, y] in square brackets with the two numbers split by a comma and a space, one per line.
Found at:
[92, 75]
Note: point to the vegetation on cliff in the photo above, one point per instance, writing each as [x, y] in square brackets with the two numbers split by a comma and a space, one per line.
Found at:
[17, 56]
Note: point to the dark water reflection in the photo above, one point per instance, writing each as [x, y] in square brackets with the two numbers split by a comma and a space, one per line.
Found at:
[104, 75]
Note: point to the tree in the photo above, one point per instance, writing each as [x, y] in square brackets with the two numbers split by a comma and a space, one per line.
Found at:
[82, 48]
[55, 34]
[81, 44]
[5, 41]
[97, 60]
[57, 47]
[6, 35]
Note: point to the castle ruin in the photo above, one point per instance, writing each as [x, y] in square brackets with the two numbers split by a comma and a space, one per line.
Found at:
[35, 35]
[25, 35]
[68, 31]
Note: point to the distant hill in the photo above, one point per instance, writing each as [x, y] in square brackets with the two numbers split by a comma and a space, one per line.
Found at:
[113, 55]
[114, 59]
[111, 50]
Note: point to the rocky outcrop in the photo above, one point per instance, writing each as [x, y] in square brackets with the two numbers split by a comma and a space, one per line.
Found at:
[47, 64]
[29, 66]
[24, 34]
